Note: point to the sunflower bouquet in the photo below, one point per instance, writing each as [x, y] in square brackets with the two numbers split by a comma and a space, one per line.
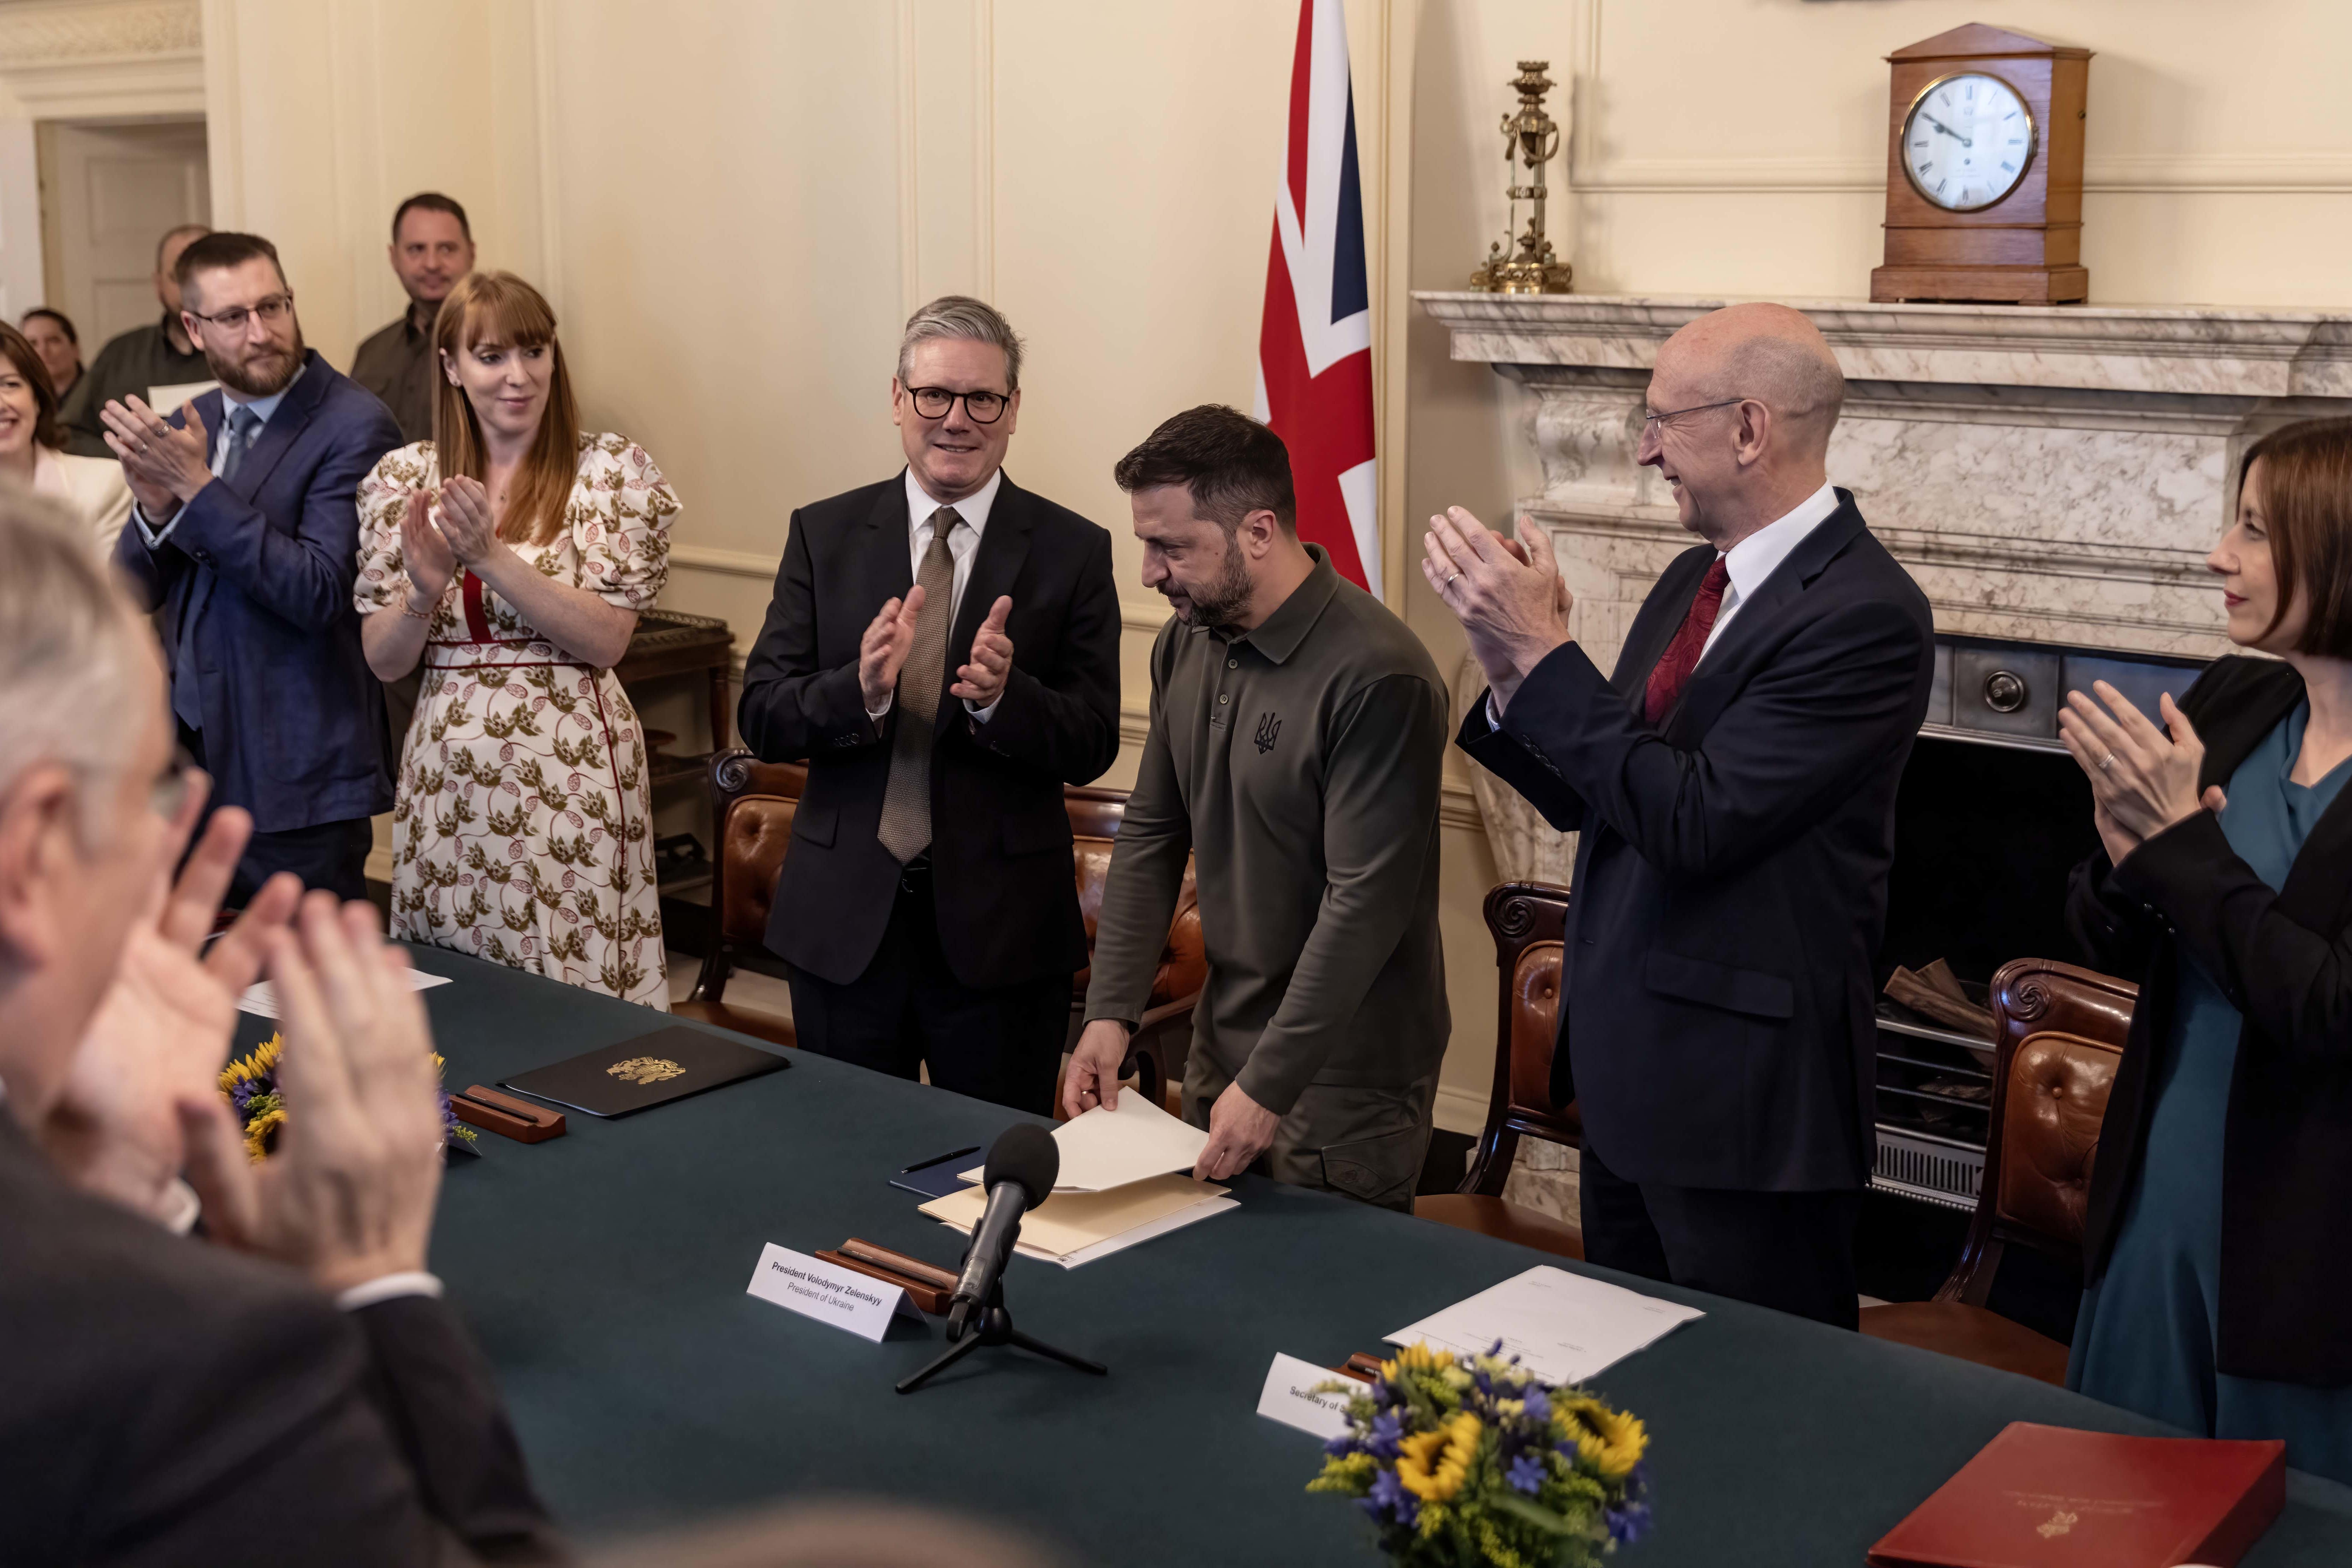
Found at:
[1470, 1461]
[249, 1084]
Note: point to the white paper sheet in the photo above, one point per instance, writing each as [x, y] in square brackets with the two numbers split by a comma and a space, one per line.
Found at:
[260, 998]
[1103, 1149]
[1563, 1326]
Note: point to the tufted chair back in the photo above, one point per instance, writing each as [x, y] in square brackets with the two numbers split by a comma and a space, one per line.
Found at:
[1527, 920]
[1096, 816]
[2060, 1038]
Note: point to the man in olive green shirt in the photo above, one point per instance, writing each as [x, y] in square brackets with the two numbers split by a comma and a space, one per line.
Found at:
[155, 364]
[1298, 733]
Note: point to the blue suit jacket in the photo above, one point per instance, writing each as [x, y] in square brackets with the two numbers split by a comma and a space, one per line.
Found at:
[1716, 1022]
[293, 718]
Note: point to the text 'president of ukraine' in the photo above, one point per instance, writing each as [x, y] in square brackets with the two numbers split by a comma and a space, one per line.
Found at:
[1733, 787]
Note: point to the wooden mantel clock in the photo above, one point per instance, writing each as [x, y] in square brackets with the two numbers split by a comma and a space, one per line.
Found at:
[1984, 171]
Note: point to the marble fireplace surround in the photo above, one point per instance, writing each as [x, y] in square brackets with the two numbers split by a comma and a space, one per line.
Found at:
[2051, 474]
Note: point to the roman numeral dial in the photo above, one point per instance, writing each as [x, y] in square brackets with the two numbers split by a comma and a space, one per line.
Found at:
[1967, 142]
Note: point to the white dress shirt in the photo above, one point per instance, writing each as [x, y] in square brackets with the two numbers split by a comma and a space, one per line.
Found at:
[1753, 559]
[963, 545]
[263, 407]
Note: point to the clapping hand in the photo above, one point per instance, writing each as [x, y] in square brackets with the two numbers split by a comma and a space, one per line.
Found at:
[426, 555]
[164, 466]
[2141, 781]
[1509, 595]
[163, 1029]
[467, 524]
[348, 1195]
[981, 681]
[889, 640]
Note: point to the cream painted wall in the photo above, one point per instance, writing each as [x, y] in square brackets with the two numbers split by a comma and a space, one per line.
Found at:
[734, 203]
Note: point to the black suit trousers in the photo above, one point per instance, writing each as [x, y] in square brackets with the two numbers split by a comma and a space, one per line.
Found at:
[1001, 1044]
[1792, 1251]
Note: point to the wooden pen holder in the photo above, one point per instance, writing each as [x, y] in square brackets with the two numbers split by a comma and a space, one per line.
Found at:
[507, 1116]
[926, 1285]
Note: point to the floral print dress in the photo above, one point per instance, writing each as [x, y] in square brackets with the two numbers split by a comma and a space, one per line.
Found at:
[522, 824]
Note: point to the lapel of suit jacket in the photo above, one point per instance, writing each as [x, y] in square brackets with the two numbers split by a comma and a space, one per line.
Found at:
[276, 437]
[882, 567]
[996, 567]
[1719, 674]
[2230, 732]
[2315, 890]
[1646, 640]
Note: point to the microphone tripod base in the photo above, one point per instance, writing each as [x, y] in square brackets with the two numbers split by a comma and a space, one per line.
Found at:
[996, 1329]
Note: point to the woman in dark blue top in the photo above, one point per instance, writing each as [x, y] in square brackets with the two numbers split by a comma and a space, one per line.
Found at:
[2218, 1240]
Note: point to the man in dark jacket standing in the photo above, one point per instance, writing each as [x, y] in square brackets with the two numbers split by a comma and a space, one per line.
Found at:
[246, 535]
[942, 650]
[1733, 787]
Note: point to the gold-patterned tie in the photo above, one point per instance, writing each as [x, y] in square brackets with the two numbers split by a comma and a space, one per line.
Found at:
[906, 829]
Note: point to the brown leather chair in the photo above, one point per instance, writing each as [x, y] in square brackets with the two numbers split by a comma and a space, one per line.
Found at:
[2059, 1035]
[752, 804]
[1527, 920]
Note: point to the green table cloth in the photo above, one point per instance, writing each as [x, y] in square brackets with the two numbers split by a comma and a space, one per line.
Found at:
[604, 1273]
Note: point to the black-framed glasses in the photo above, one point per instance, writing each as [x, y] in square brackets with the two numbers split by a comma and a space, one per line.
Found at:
[933, 402]
[1655, 423]
[271, 309]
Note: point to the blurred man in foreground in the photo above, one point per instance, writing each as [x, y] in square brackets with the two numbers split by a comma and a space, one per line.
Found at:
[292, 1390]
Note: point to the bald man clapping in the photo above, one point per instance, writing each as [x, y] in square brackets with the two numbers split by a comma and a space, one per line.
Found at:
[1733, 782]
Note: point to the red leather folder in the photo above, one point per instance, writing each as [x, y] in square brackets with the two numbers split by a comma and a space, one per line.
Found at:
[2050, 1496]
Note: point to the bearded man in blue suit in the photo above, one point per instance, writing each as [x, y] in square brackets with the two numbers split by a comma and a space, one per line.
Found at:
[245, 538]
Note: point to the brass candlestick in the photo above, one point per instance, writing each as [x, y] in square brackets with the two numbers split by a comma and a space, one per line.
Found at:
[1529, 137]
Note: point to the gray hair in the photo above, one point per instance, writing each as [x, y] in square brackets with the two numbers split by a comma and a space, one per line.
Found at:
[67, 649]
[961, 316]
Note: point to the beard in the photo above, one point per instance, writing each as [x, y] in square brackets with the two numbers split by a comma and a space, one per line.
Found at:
[1222, 602]
[263, 374]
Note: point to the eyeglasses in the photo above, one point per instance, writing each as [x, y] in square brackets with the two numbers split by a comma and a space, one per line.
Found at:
[271, 310]
[169, 794]
[1655, 423]
[933, 402]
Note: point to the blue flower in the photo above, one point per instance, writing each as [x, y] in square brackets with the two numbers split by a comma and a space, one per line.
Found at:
[1339, 1447]
[1630, 1518]
[1539, 1408]
[1527, 1473]
[1389, 1497]
[1388, 1430]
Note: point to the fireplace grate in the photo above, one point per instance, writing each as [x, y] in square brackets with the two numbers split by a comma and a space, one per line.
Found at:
[1930, 1169]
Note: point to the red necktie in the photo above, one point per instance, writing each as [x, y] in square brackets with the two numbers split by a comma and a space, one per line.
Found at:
[1674, 665]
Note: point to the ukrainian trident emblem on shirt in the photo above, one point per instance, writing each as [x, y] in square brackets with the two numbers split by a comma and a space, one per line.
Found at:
[1269, 726]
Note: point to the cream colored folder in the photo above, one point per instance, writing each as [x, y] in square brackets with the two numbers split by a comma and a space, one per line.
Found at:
[1103, 1149]
[1071, 1222]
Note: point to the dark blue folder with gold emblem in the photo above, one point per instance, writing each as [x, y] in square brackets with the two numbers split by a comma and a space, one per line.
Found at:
[652, 1070]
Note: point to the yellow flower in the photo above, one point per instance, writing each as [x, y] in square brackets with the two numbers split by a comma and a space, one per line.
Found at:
[260, 1064]
[257, 1131]
[1433, 1465]
[1417, 1357]
[1611, 1441]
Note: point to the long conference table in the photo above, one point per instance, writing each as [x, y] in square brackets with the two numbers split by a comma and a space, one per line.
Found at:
[604, 1273]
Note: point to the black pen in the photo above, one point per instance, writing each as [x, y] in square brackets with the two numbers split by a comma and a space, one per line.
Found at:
[937, 1160]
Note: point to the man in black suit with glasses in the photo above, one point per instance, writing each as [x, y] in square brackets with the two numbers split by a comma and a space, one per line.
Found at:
[942, 650]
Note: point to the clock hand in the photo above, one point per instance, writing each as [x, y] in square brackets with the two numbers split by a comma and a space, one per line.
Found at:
[1948, 131]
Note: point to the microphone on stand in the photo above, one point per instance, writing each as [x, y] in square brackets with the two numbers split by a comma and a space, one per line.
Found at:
[1021, 1165]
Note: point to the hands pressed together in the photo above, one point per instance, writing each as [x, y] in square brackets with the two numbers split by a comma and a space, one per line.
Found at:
[348, 1195]
[433, 548]
[2142, 782]
[1508, 593]
[164, 466]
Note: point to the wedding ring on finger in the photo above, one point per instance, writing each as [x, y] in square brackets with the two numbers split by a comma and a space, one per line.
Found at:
[2107, 762]
[1449, 582]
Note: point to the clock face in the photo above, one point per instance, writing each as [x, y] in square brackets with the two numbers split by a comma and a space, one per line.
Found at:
[1967, 142]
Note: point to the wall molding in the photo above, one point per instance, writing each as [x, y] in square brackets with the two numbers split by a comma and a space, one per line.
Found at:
[96, 61]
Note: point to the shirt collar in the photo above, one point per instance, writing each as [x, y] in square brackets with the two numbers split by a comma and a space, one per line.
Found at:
[973, 508]
[263, 407]
[1279, 636]
[1753, 559]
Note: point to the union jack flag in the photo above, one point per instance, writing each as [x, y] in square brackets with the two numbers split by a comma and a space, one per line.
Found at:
[1315, 346]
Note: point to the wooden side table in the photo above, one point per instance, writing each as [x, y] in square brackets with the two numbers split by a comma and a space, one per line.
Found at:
[671, 643]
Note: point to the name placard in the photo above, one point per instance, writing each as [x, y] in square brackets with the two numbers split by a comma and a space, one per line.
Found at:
[815, 1289]
[1286, 1399]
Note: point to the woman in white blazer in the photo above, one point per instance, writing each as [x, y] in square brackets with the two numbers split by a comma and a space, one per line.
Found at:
[32, 446]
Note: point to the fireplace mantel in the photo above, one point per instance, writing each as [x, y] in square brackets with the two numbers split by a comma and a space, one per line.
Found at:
[2049, 473]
